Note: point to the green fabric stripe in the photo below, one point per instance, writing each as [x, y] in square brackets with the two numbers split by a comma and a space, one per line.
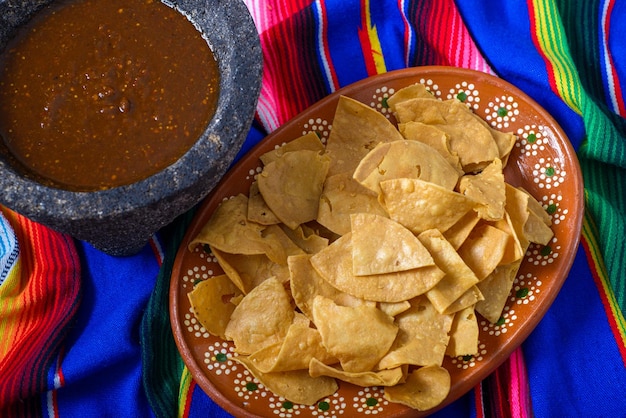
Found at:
[162, 364]
[568, 82]
[603, 155]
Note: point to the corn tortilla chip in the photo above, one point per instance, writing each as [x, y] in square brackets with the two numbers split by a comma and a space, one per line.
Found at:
[484, 249]
[487, 188]
[301, 344]
[343, 196]
[420, 205]
[334, 264]
[248, 271]
[367, 378]
[422, 337]
[432, 136]
[358, 336]
[252, 326]
[458, 276]
[424, 388]
[309, 141]
[291, 185]
[458, 233]
[463, 334]
[469, 138]
[409, 92]
[296, 386]
[210, 302]
[496, 289]
[405, 159]
[357, 129]
[258, 211]
[394, 249]
[470, 298]
[306, 284]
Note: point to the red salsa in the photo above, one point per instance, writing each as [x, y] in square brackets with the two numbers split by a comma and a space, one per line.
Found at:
[96, 94]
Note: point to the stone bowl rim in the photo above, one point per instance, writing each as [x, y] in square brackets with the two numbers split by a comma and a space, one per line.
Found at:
[37, 201]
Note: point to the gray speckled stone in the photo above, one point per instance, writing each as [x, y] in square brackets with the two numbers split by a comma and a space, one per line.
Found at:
[120, 221]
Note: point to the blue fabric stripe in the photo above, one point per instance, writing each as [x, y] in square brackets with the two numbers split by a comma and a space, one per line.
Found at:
[9, 248]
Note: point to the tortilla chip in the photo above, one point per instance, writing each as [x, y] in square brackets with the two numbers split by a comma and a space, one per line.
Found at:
[458, 276]
[432, 136]
[306, 284]
[424, 388]
[420, 205]
[469, 138]
[210, 302]
[394, 249]
[517, 209]
[252, 326]
[463, 334]
[535, 230]
[258, 211]
[470, 298]
[334, 264]
[407, 93]
[458, 233]
[230, 231]
[342, 196]
[484, 249]
[301, 344]
[496, 289]
[357, 336]
[513, 250]
[248, 271]
[504, 140]
[291, 186]
[405, 159]
[356, 130]
[309, 141]
[309, 241]
[394, 308]
[487, 188]
[422, 337]
[296, 386]
[367, 378]
[535, 207]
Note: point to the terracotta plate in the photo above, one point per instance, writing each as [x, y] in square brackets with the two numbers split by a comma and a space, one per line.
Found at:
[542, 161]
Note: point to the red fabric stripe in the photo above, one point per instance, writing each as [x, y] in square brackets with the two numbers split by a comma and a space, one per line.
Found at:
[366, 44]
[287, 71]
[593, 267]
[618, 88]
[187, 406]
[48, 298]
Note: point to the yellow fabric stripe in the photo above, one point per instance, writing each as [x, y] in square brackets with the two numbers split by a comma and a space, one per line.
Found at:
[372, 33]
[549, 31]
[9, 304]
[184, 391]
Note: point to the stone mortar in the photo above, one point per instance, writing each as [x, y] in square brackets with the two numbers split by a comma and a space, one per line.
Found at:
[121, 220]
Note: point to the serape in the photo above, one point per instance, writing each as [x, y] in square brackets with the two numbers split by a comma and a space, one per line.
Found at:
[86, 334]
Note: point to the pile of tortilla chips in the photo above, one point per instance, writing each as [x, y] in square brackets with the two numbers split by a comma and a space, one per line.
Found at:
[366, 260]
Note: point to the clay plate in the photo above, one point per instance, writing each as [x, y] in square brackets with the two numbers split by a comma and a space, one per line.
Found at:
[542, 161]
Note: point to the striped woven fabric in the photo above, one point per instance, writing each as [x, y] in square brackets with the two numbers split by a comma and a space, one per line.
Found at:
[86, 334]
[39, 294]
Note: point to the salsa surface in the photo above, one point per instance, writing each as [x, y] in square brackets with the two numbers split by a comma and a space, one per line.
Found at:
[96, 94]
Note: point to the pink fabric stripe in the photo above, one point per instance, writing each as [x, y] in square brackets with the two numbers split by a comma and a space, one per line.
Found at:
[519, 394]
